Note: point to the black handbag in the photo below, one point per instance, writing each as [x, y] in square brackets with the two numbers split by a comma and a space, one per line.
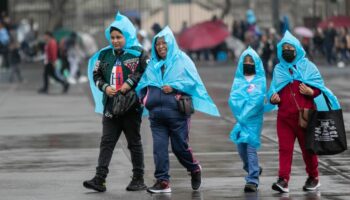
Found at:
[122, 103]
[185, 104]
[326, 132]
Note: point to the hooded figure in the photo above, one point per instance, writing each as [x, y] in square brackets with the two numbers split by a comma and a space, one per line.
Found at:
[180, 73]
[132, 46]
[295, 85]
[171, 75]
[114, 72]
[247, 102]
[304, 71]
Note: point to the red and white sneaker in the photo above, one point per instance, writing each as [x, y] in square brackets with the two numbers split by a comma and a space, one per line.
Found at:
[161, 186]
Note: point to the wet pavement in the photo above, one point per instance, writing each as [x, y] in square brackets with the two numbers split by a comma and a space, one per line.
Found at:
[49, 145]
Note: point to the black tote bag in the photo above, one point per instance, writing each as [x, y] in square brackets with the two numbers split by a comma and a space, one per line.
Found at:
[326, 132]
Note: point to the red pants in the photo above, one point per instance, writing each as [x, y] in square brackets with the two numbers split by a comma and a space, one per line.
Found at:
[287, 131]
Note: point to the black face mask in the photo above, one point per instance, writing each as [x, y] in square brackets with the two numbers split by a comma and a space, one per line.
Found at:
[248, 69]
[288, 55]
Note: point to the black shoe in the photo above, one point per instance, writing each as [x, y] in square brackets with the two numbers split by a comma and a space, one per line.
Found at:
[161, 186]
[136, 184]
[97, 183]
[311, 184]
[42, 91]
[281, 185]
[260, 171]
[196, 179]
[250, 187]
[65, 87]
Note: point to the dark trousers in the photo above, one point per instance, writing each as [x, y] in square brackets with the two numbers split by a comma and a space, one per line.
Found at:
[112, 128]
[4, 51]
[15, 71]
[177, 130]
[50, 71]
[330, 55]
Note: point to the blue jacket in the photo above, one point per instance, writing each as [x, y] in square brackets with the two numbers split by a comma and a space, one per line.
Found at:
[160, 104]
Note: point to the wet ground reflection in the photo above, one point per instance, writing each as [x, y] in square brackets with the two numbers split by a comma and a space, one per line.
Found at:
[66, 140]
[198, 195]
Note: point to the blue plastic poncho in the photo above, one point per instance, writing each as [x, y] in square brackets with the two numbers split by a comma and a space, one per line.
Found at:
[247, 102]
[305, 71]
[129, 32]
[250, 16]
[180, 73]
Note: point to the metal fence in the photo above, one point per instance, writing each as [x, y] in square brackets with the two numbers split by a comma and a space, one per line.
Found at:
[94, 15]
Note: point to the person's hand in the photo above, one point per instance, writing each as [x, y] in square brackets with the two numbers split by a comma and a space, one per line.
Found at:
[167, 89]
[110, 91]
[125, 87]
[305, 90]
[275, 98]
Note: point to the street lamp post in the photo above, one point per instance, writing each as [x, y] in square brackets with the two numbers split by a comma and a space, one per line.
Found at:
[275, 14]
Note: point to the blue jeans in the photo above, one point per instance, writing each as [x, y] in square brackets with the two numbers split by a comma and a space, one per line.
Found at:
[177, 130]
[250, 160]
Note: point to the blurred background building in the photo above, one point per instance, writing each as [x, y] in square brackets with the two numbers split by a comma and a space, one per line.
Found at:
[31, 18]
[94, 15]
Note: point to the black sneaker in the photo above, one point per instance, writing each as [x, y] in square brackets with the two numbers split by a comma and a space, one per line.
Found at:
[311, 184]
[161, 186]
[281, 185]
[196, 179]
[250, 187]
[97, 183]
[136, 184]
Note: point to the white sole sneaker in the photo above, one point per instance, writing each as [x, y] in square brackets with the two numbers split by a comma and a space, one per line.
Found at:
[279, 188]
[168, 190]
[312, 188]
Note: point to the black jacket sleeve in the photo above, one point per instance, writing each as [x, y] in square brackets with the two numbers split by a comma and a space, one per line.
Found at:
[135, 77]
[98, 75]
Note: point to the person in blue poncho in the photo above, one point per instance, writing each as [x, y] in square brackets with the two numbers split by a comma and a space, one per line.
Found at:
[114, 73]
[171, 76]
[247, 104]
[295, 85]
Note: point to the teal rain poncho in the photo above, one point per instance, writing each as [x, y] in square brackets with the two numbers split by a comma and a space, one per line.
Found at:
[305, 71]
[247, 102]
[129, 32]
[180, 74]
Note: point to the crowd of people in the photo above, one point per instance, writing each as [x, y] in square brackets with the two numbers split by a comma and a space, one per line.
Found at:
[333, 43]
[135, 76]
[21, 42]
[127, 83]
